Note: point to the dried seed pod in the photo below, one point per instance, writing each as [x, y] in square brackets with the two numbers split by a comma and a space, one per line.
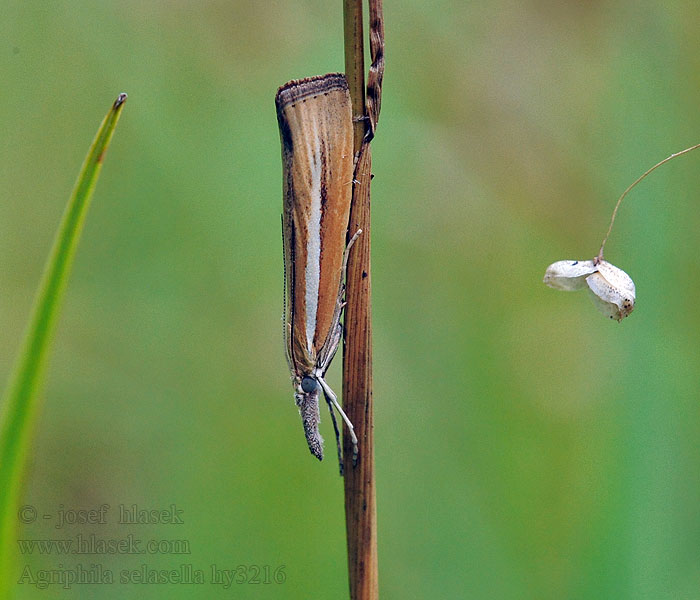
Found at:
[611, 289]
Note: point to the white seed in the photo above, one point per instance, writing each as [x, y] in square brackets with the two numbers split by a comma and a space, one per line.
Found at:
[569, 275]
[612, 291]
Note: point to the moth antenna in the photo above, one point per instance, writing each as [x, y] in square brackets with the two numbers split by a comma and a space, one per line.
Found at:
[285, 325]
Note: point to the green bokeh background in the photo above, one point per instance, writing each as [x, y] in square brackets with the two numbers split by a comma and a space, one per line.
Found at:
[526, 447]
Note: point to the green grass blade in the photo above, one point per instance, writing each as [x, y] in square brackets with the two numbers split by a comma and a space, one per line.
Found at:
[20, 405]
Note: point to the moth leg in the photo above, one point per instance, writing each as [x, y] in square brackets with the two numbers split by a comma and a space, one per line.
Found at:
[326, 354]
[347, 252]
[337, 435]
[331, 398]
[328, 350]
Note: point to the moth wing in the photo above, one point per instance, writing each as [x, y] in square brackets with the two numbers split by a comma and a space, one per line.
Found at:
[315, 120]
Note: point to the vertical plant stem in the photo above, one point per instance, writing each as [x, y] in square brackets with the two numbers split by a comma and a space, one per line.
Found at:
[360, 496]
[355, 65]
[21, 402]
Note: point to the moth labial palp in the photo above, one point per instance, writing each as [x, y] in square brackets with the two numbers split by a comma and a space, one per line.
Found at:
[316, 131]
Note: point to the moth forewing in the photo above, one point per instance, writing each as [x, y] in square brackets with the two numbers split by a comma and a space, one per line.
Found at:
[315, 120]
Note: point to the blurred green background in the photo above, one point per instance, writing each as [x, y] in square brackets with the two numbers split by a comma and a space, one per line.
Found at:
[526, 447]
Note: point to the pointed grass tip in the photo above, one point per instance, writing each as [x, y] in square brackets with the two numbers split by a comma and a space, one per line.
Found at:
[121, 98]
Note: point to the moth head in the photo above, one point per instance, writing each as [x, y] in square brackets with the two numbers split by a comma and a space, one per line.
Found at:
[308, 384]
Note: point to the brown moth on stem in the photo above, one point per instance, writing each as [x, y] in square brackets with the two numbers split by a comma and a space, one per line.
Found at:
[320, 118]
[315, 121]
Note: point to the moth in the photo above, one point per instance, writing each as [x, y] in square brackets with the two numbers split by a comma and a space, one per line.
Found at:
[316, 131]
